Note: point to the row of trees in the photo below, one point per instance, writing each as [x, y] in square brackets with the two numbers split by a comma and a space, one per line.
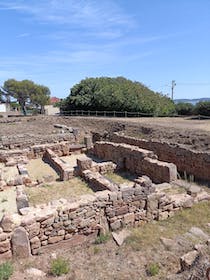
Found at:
[188, 109]
[25, 92]
[117, 94]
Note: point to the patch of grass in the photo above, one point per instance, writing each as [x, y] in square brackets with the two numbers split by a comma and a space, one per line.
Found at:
[183, 220]
[102, 238]
[4, 200]
[96, 250]
[153, 269]
[59, 267]
[67, 189]
[120, 177]
[6, 270]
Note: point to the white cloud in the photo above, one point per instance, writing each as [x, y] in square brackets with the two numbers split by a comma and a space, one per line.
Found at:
[83, 13]
[23, 35]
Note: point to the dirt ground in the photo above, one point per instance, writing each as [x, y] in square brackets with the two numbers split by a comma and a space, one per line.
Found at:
[193, 133]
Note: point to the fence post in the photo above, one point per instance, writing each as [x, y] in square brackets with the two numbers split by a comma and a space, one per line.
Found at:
[96, 113]
[125, 114]
[114, 114]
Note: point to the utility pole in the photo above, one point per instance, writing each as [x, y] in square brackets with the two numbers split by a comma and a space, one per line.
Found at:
[173, 84]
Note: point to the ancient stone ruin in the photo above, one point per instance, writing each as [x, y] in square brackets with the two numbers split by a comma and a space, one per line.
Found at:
[28, 230]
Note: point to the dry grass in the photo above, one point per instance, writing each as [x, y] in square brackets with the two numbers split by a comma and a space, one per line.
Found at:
[120, 177]
[68, 190]
[198, 216]
[37, 169]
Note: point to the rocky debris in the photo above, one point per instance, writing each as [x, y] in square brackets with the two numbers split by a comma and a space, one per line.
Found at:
[188, 260]
[120, 236]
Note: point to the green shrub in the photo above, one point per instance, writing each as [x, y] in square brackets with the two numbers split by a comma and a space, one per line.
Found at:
[59, 266]
[6, 270]
[102, 238]
[203, 108]
[117, 94]
[153, 269]
[184, 108]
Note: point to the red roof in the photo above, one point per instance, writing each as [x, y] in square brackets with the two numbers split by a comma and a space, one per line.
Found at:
[54, 100]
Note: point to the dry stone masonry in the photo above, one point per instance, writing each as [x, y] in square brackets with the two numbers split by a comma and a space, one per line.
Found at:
[112, 207]
[192, 162]
[136, 160]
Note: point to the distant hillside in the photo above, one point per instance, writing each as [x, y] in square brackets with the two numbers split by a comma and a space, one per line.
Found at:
[192, 101]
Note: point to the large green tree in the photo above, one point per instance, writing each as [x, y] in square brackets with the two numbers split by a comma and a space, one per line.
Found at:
[117, 94]
[26, 92]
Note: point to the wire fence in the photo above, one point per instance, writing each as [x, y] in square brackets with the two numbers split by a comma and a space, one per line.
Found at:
[117, 114]
[125, 114]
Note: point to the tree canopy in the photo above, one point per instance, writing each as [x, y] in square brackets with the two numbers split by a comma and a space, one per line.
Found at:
[117, 94]
[26, 92]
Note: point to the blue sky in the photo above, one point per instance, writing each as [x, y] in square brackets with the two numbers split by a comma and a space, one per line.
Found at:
[59, 42]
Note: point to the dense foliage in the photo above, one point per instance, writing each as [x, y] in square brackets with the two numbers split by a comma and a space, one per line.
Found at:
[26, 92]
[116, 94]
[202, 108]
[184, 109]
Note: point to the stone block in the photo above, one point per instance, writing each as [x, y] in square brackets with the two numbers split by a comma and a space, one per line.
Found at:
[128, 219]
[55, 239]
[115, 225]
[20, 243]
[188, 260]
[5, 246]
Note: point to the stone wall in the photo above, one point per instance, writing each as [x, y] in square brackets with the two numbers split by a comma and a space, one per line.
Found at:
[186, 160]
[136, 160]
[63, 168]
[62, 220]
[23, 141]
[61, 149]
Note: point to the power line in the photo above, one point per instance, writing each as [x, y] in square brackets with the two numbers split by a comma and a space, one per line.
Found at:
[193, 84]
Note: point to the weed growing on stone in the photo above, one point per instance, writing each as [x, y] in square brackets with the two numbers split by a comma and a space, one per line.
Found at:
[59, 266]
[102, 238]
[4, 200]
[6, 270]
[153, 269]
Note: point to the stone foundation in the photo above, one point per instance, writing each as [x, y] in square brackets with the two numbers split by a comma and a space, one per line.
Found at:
[63, 168]
[136, 160]
[189, 161]
[62, 220]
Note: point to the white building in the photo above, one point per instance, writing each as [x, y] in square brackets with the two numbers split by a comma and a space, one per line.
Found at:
[3, 108]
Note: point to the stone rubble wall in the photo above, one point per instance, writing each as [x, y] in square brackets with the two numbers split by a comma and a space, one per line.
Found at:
[136, 160]
[189, 161]
[63, 220]
[27, 140]
[61, 149]
[63, 168]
